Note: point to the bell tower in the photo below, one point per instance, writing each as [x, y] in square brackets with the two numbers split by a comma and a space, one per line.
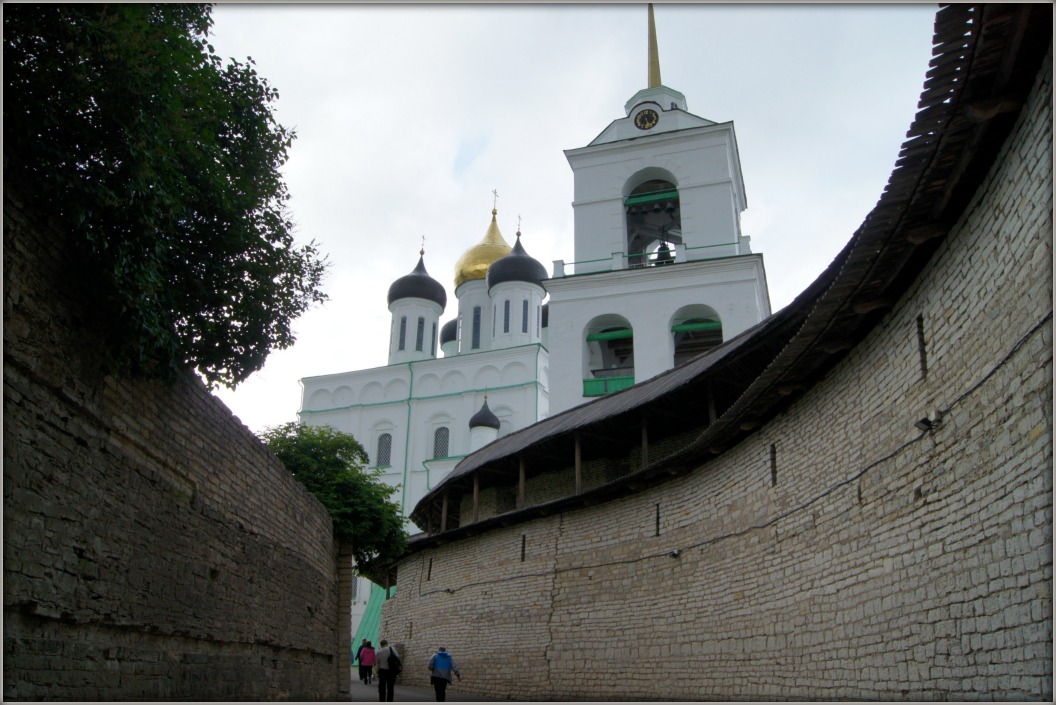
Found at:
[658, 196]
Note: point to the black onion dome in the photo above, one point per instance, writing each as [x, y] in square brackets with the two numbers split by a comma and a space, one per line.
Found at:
[419, 285]
[485, 417]
[449, 331]
[517, 266]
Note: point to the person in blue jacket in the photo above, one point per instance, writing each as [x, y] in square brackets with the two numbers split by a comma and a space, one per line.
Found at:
[441, 666]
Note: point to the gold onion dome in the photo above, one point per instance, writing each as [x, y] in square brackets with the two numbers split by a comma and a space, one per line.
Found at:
[474, 263]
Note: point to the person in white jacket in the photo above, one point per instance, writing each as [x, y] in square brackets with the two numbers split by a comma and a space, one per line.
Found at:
[388, 664]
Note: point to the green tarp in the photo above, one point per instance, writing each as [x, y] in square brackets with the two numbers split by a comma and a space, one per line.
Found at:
[371, 622]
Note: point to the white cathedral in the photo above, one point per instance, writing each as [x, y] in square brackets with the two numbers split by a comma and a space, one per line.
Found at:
[661, 274]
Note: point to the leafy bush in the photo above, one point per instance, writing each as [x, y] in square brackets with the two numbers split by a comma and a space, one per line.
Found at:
[332, 466]
[162, 164]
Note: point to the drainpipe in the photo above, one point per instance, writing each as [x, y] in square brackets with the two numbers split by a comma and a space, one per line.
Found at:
[407, 440]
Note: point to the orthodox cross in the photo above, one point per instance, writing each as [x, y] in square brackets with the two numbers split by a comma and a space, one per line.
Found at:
[495, 201]
[422, 251]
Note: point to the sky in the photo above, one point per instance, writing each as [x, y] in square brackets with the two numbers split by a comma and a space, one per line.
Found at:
[409, 117]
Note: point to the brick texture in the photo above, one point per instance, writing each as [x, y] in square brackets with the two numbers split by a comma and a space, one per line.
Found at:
[153, 549]
[885, 563]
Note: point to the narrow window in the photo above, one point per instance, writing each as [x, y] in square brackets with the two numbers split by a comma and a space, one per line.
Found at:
[523, 543]
[506, 316]
[658, 520]
[440, 438]
[921, 348]
[476, 327]
[773, 465]
[524, 316]
[432, 345]
[403, 332]
[538, 321]
[420, 336]
[429, 573]
[384, 455]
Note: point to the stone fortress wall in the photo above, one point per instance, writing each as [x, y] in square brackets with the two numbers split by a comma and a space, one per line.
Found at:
[153, 549]
[838, 552]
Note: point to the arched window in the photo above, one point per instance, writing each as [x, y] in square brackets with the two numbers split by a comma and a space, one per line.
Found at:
[654, 223]
[383, 458]
[476, 327]
[524, 316]
[440, 438]
[432, 345]
[695, 330]
[403, 332]
[419, 340]
[506, 317]
[609, 356]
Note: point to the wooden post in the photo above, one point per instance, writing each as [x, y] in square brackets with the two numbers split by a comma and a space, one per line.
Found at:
[476, 496]
[645, 442]
[522, 482]
[579, 465]
[443, 514]
[711, 404]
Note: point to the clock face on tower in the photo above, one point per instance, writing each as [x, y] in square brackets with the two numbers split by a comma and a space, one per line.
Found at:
[646, 119]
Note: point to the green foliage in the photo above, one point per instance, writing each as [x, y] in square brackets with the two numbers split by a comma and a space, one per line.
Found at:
[332, 466]
[163, 165]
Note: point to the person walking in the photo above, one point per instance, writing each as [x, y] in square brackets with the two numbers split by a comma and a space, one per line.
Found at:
[389, 666]
[366, 662]
[441, 666]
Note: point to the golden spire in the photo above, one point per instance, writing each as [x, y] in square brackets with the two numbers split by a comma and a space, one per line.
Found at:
[654, 54]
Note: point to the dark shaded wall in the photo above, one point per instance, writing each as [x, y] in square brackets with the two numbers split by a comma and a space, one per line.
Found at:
[153, 549]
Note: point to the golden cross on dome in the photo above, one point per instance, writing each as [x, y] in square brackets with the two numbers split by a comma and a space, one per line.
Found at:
[495, 201]
[518, 223]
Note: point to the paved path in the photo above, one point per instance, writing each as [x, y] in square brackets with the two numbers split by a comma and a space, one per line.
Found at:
[409, 694]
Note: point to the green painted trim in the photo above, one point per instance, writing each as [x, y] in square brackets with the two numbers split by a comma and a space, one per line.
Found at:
[407, 440]
[606, 385]
[620, 334]
[708, 325]
[665, 195]
[412, 398]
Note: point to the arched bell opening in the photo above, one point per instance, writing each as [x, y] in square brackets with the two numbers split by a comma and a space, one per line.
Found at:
[695, 330]
[609, 356]
[654, 222]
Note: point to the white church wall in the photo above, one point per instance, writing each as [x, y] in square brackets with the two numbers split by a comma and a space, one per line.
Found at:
[410, 401]
[647, 300]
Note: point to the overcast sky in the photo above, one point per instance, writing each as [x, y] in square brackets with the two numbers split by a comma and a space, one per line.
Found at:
[409, 116]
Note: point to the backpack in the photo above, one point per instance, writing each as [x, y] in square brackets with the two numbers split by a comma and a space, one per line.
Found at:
[395, 665]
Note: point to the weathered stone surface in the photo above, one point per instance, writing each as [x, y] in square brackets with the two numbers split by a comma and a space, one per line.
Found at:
[153, 549]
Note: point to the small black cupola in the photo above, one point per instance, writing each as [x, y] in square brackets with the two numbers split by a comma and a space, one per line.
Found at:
[418, 284]
[449, 331]
[516, 266]
[484, 417]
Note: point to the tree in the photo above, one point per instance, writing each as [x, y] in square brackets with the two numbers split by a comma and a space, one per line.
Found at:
[162, 164]
[332, 466]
